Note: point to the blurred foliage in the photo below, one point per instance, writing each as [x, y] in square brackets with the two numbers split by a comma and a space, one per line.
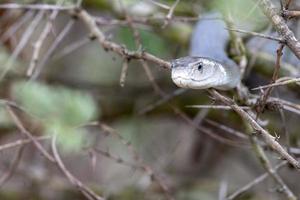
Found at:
[63, 2]
[100, 4]
[5, 120]
[4, 60]
[128, 194]
[151, 42]
[236, 9]
[58, 109]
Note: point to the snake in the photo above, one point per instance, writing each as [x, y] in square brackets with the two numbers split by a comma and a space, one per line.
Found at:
[208, 65]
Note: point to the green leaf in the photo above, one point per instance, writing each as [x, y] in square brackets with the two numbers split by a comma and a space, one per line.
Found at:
[58, 109]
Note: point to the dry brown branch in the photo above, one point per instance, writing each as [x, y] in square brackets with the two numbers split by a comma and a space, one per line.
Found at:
[72, 47]
[118, 160]
[161, 101]
[23, 130]
[286, 105]
[278, 83]
[204, 130]
[280, 25]
[170, 13]
[218, 107]
[256, 181]
[145, 21]
[227, 129]
[265, 95]
[124, 71]
[21, 142]
[111, 46]
[9, 173]
[260, 153]
[139, 160]
[138, 43]
[290, 13]
[87, 192]
[38, 44]
[269, 37]
[165, 98]
[36, 6]
[16, 26]
[268, 138]
[51, 49]
[23, 41]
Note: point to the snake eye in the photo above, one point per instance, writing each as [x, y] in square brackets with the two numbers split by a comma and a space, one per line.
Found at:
[200, 66]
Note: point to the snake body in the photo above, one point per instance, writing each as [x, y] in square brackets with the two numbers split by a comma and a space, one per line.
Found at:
[208, 65]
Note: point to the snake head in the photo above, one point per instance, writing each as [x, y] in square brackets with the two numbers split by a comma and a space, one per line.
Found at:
[202, 73]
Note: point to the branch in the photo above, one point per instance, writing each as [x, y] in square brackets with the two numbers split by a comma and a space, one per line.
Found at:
[35, 6]
[268, 167]
[254, 182]
[270, 37]
[280, 25]
[9, 173]
[96, 33]
[23, 130]
[83, 188]
[279, 82]
[268, 138]
[38, 44]
[21, 142]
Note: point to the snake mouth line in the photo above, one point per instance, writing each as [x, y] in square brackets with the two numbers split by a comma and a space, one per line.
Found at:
[189, 79]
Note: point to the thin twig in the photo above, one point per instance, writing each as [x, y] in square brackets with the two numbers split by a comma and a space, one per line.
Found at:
[278, 83]
[38, 44]
[16, 26]
[265, 95]
[36, 6]
[218, 107]
[124, 71]
[259, 35]
[227, 129]
[291, 13]
[170, 13]
[24, 40]
[54, 45]
[159, 4]
[23, 130]
[161, 101]
[139, 160]
[83, 188]
[256, 181]
[72, 47]
[21, 142]
[111, 46]
[260, 153]
[8, 174]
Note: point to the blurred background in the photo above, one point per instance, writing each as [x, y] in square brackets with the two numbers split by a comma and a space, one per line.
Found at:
[122, 127]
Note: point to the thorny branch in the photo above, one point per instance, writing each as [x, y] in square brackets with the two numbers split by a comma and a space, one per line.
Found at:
[268, 138]
[280, 25]
[97, 34]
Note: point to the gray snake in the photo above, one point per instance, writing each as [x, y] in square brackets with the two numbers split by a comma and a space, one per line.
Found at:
[208, 65]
